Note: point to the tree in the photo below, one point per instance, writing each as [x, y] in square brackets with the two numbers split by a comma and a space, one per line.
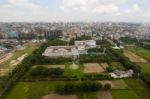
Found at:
[110, 69]
[107, 86]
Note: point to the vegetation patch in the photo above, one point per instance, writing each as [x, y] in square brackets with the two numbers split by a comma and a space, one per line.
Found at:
[138, 87]
[36, 90]
[124, 94]
[145, 67]
[140, 51]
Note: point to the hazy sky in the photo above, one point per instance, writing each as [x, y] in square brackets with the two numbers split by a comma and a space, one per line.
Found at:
[75, 10]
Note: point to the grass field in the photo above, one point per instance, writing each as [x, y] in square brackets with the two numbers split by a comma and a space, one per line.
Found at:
[123, 94]
[140, 51]
[145, 67]
[116, 65]
[119, 84]
[139, 88]
[70, 72]
[31, 89]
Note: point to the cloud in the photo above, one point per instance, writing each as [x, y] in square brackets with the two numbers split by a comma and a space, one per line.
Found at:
[75, 10]
[120, 10]
[96, 6]
[23, 10]
[24, 4]
[136, 7]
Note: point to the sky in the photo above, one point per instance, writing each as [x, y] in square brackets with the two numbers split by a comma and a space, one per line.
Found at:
[74, 10]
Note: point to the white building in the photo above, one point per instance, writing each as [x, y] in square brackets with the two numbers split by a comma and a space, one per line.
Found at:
[122, 74]
[84, 45]
[61, 51]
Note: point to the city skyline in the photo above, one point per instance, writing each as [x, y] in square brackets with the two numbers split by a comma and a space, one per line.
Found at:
[74, 10]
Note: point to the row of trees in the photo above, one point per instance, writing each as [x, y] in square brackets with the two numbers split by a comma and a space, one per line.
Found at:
[107, 57]
[125, 61]
[43, 60]
[41, 71]
[146, 78]
[70, 88]
[87, 77]
[96, 50]
[56, 74]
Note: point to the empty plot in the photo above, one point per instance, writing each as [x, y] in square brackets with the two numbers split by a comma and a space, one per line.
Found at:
[104, 95]
[6, 57]
[51, 66]
[56, 96]
[4, 71]
[104, 65]
[56, 66]
[134, 58]
[93, 68]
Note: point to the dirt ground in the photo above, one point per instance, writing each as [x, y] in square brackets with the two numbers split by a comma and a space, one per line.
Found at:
[4, 71]
[6, 57]
[104, 95]
[93, 68]
[104, 65]
[18, 61]
[56, 96]
[51, 66]
[56, 66]
[134, 58]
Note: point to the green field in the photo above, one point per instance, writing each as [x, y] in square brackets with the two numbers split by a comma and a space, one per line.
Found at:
[70, 72]
[140, 51]
[31, 89]
[119, 84]
[139, 88]
[123, 94]
[117, 65]
[145, 67]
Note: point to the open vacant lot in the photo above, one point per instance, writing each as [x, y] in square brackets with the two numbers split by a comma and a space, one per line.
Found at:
[104, 65]
[134, 58]
[51, 66]
[6, 57]
[140, 51]
[93, 68]
[13, 59]
[56, 96]
[104, 95]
